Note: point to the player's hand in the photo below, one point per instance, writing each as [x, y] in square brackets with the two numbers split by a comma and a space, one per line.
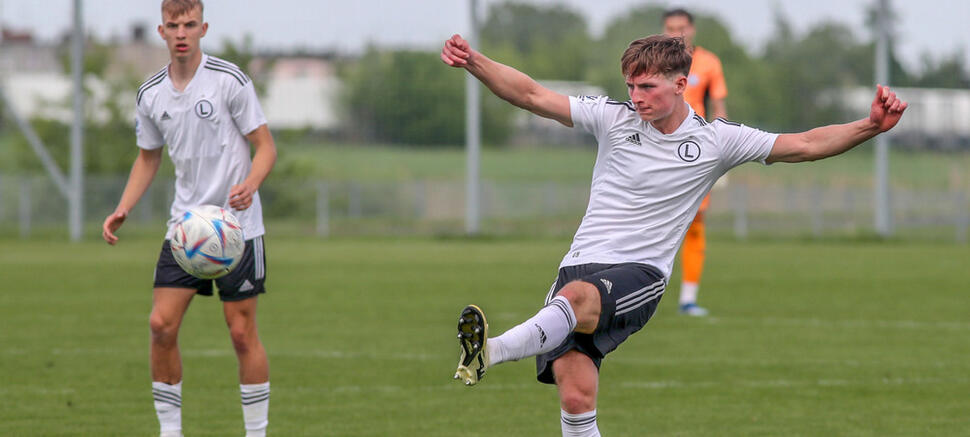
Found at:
[241, 196]
[457, 52]
[111, 224]
[886, 108]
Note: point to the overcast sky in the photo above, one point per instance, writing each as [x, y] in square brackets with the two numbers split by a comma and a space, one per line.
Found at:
[938, 27]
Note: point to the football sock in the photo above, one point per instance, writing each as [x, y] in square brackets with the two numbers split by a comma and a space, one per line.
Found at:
[542, 333]
[579, 425]
[688, 292]
[168, 406]
[255, 406]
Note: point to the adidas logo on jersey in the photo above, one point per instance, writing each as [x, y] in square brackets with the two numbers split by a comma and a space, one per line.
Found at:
[635, 139]
[165, 116]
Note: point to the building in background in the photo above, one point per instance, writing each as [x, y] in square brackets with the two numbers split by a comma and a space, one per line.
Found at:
[936, 119]
[301, 91]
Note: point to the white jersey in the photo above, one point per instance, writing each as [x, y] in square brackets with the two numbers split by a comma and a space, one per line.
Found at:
[647, 185]
[204, 127]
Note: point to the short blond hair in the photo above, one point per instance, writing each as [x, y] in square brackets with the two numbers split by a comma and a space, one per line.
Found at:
[656, 54]
[178, 8]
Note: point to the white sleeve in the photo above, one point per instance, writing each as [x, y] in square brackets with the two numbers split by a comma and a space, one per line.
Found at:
[245, 110]
[588, 112]
[741, 144]
[147, 135]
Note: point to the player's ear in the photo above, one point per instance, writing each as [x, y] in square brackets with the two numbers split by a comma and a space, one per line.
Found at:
[161, 30]
[205, 28]
[681, 83]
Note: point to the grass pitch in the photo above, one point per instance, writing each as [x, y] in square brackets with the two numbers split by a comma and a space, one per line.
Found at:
[805, 338]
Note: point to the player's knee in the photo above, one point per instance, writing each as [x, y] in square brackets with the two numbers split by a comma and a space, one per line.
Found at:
[242, 337]
[577, 400]
[164, 330]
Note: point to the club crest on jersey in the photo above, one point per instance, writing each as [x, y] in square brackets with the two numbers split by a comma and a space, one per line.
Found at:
[689, 151]
[203, 108]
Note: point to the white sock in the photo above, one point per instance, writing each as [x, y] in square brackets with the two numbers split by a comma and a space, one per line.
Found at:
[579, 425]
[688, 292]
[168, 406]
[542, 333]
[255, 406]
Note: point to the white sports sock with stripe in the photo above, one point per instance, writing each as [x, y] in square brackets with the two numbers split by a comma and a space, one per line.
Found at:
[255, 406]
[168, 406]
[579, 425]
[540, 334]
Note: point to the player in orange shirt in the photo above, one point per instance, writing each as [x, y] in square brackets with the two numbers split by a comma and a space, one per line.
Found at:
[705, 84]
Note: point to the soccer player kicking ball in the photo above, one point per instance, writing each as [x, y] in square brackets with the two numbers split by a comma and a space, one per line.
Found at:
[656, 161]
[205, 109]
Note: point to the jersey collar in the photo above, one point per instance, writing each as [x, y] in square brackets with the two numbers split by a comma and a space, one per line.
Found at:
[198, 71]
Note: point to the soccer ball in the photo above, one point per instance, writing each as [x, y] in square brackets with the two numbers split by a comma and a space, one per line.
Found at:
[208, 242]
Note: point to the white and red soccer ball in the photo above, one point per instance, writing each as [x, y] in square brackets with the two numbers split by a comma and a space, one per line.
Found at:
[208, 242]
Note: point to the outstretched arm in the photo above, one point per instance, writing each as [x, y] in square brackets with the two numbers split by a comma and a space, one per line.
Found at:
[142, 173]
[506, 82]
[826, 141]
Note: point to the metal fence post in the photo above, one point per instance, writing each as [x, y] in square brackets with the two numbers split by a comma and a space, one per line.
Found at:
[420, 199]
[26, 204]
[962, 216]
[353, 200]
[816, 211]
[1, 197]
[323, 209]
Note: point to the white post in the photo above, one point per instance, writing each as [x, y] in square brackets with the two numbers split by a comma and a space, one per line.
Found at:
[473, 135]
[323, 209]
[883, 213]
[962, 217]
[26, 204]
[77, 129]
[815, 206]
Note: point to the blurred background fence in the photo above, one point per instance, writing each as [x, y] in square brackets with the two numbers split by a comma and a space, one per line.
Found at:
[745, 207]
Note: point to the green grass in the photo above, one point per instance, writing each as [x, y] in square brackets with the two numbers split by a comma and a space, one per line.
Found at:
[806, 339]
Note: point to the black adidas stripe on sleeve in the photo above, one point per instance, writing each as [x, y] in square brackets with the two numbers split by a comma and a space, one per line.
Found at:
[628, 104]
[154, 80]
[235, 75]
[726, 121]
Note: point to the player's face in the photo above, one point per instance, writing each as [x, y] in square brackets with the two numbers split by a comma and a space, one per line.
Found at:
[679, 26]
[655, 95]
[183, 33]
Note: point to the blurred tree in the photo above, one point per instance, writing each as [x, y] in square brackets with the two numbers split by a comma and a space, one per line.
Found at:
[604, 68]
[411, 97]
[805, 71]
[898, 76]
[242, 54]
[545, 42]
[109, 144]
[948, 72]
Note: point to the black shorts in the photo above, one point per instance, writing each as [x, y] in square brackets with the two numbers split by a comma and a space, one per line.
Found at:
[247, 280]
[629, 295]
